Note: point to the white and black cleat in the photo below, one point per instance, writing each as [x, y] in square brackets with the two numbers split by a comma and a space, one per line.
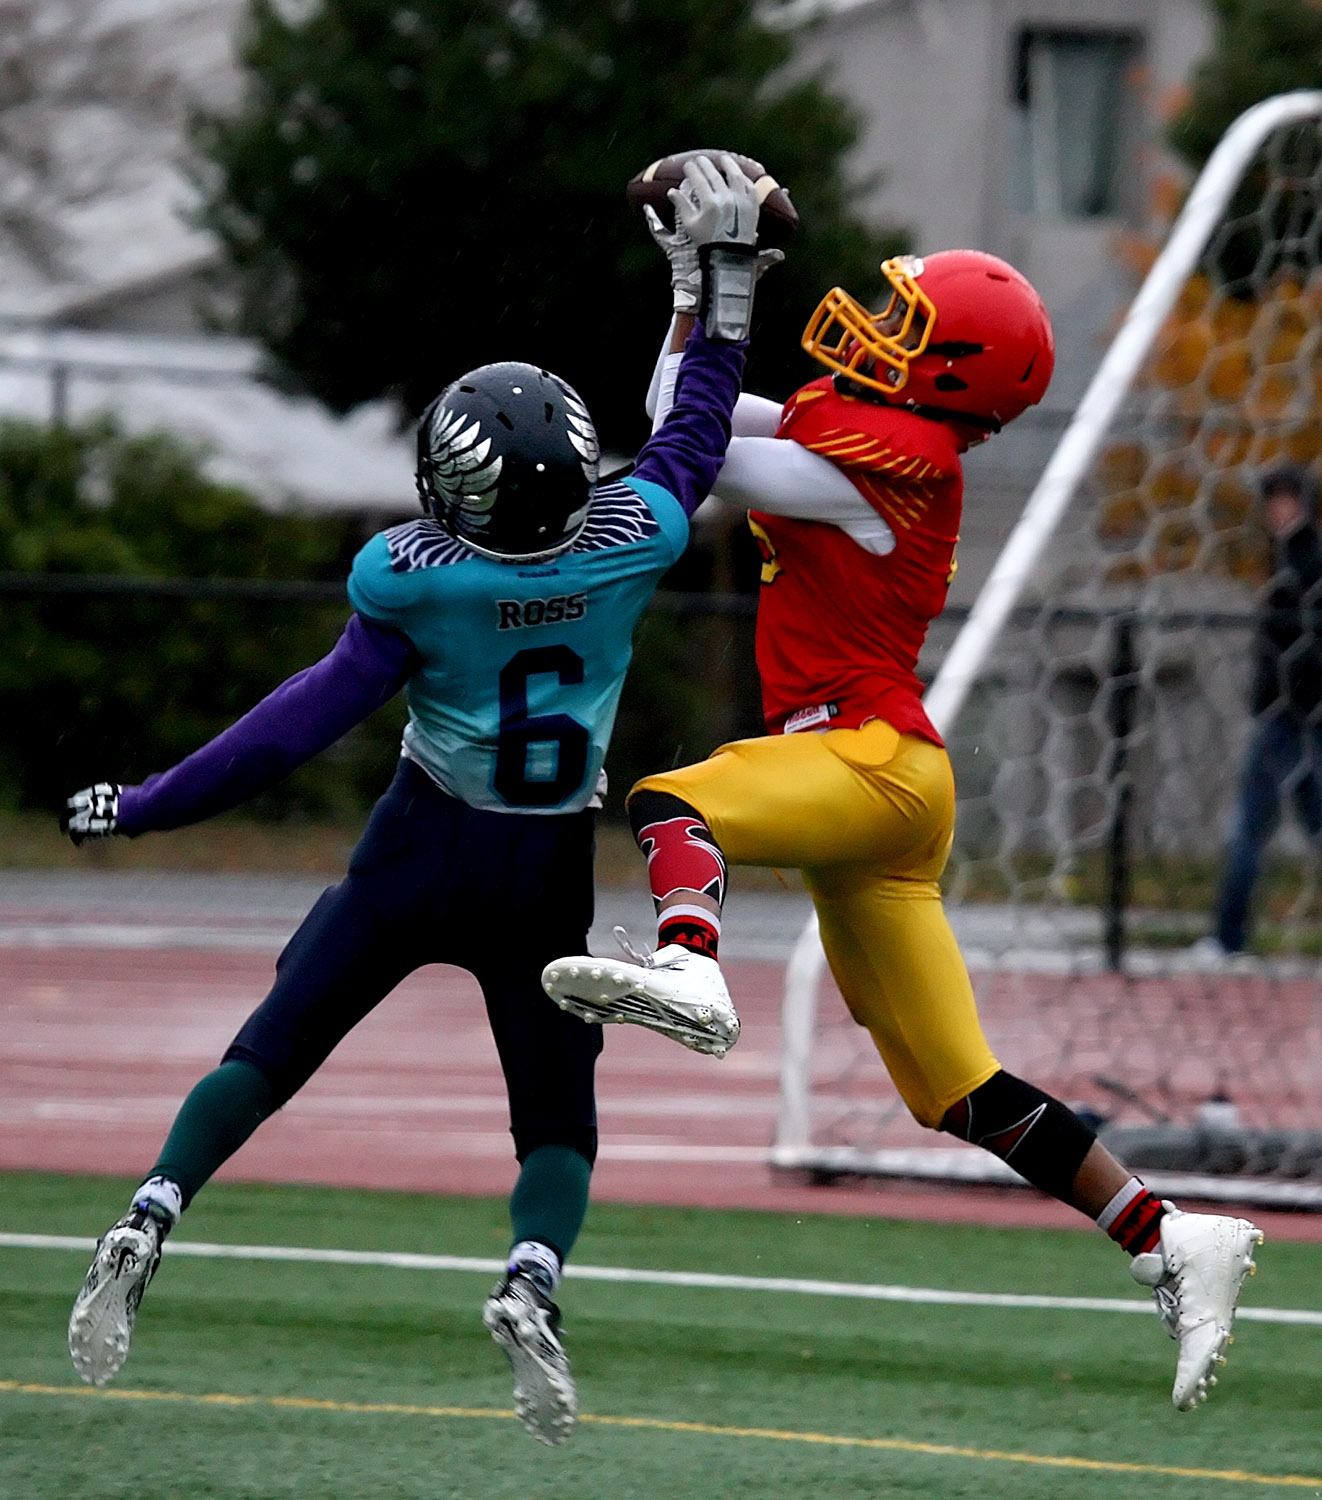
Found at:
[674, 991]
[1196, 1276]
[526, 1324]
[101, 1324]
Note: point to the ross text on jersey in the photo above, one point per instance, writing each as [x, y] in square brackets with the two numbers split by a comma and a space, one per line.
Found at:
[517, 613]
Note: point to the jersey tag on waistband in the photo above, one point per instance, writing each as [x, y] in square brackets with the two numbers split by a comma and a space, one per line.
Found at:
[817, 717]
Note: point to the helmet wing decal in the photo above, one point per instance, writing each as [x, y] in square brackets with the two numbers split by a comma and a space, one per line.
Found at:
[508, 459]
[463, 467]
[582, 434]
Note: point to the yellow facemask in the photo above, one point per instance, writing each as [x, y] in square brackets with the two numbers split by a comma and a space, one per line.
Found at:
[844, 336]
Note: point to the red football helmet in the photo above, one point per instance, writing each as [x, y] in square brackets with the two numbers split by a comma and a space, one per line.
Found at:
[963, 335]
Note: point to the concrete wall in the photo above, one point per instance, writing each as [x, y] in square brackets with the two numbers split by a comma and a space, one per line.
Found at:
[934, 83]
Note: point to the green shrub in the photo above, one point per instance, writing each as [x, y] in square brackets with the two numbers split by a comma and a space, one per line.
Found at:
[102, 684]
[105, 684]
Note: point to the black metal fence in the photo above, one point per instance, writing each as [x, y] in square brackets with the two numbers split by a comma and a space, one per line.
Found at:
[112, 675]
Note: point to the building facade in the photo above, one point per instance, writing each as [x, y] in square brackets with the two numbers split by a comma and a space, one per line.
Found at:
[1030, 128]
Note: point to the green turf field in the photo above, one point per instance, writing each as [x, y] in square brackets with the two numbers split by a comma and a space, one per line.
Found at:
[252, 1380]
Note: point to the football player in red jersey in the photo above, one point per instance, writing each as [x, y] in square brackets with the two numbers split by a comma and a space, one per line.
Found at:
[854, 491]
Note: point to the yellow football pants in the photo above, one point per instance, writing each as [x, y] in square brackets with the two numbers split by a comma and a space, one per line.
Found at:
[868, 815]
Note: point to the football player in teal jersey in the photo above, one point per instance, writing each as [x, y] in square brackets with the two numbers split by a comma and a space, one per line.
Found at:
[505, 613]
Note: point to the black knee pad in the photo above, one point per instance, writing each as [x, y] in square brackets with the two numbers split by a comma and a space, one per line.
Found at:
[656, 807]
[1035, 1134]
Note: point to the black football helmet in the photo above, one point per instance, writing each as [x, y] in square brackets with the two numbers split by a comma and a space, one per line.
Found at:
[508, 461]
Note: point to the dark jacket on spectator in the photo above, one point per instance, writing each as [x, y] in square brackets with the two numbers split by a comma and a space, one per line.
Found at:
[1287, 674]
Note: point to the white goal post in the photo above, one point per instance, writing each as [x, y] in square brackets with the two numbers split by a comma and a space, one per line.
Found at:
[827, 1119]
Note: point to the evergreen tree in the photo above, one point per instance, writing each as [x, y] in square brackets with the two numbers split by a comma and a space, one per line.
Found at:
[414, 187]
[1263, 47]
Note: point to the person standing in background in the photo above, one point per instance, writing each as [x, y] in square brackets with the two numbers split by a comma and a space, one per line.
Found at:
[1283, 762]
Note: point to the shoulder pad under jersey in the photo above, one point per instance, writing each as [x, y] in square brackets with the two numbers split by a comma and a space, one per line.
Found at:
[859, 434]
[385, 576]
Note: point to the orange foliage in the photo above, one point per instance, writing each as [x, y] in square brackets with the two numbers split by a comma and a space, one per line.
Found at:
[1243, 378]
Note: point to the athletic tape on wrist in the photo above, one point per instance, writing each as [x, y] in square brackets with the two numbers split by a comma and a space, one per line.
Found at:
[729, 274]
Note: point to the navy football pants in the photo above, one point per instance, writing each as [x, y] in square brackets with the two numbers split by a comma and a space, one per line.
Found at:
[436, 881]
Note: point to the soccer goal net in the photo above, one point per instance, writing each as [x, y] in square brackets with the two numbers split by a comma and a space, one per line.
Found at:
[1096, 704]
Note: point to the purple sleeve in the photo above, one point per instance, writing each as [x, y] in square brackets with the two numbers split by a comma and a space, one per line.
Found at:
[686, 452]
[368, 666]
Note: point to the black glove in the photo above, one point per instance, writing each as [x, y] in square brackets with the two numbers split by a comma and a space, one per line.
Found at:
[92, 813]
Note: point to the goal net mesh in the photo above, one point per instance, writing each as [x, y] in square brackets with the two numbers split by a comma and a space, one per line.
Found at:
[1098, 757]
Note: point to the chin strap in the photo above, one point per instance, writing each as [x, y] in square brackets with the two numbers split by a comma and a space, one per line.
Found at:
[844, 386]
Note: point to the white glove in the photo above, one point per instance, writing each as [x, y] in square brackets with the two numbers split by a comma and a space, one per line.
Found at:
[682, 253]
[718, 210]
[716, 206]
[92, 813]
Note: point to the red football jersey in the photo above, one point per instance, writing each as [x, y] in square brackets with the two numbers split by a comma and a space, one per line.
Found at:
[838, 628]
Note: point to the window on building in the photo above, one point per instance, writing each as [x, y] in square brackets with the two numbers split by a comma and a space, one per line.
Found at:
[1070, 92]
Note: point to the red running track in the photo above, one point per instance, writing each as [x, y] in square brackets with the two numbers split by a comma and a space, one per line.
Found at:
[99, 1045]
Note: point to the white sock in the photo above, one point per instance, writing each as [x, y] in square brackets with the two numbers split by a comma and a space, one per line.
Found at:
[532, 1255]
[162, 1194]
[1119, 1203]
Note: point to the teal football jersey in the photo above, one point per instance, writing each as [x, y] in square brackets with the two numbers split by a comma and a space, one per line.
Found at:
[522, 665]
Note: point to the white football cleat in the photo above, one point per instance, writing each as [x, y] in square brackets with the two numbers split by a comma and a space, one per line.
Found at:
[1195, 1278]
[101, 1324]
[674, 991]
[526, 1324]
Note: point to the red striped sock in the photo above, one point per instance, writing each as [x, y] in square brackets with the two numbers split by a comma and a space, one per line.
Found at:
[1133, 1218]
[690, 927]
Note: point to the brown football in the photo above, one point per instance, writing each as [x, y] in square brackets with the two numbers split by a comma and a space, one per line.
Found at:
[652, 185]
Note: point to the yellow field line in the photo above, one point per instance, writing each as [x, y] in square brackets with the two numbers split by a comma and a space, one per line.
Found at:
[656, 1424]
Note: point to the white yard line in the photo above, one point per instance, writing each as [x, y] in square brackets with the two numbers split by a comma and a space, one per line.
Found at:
[401, 1260]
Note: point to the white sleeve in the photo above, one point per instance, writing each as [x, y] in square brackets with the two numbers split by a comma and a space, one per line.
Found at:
[783, 478]
[755, 416]
[661, 392]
